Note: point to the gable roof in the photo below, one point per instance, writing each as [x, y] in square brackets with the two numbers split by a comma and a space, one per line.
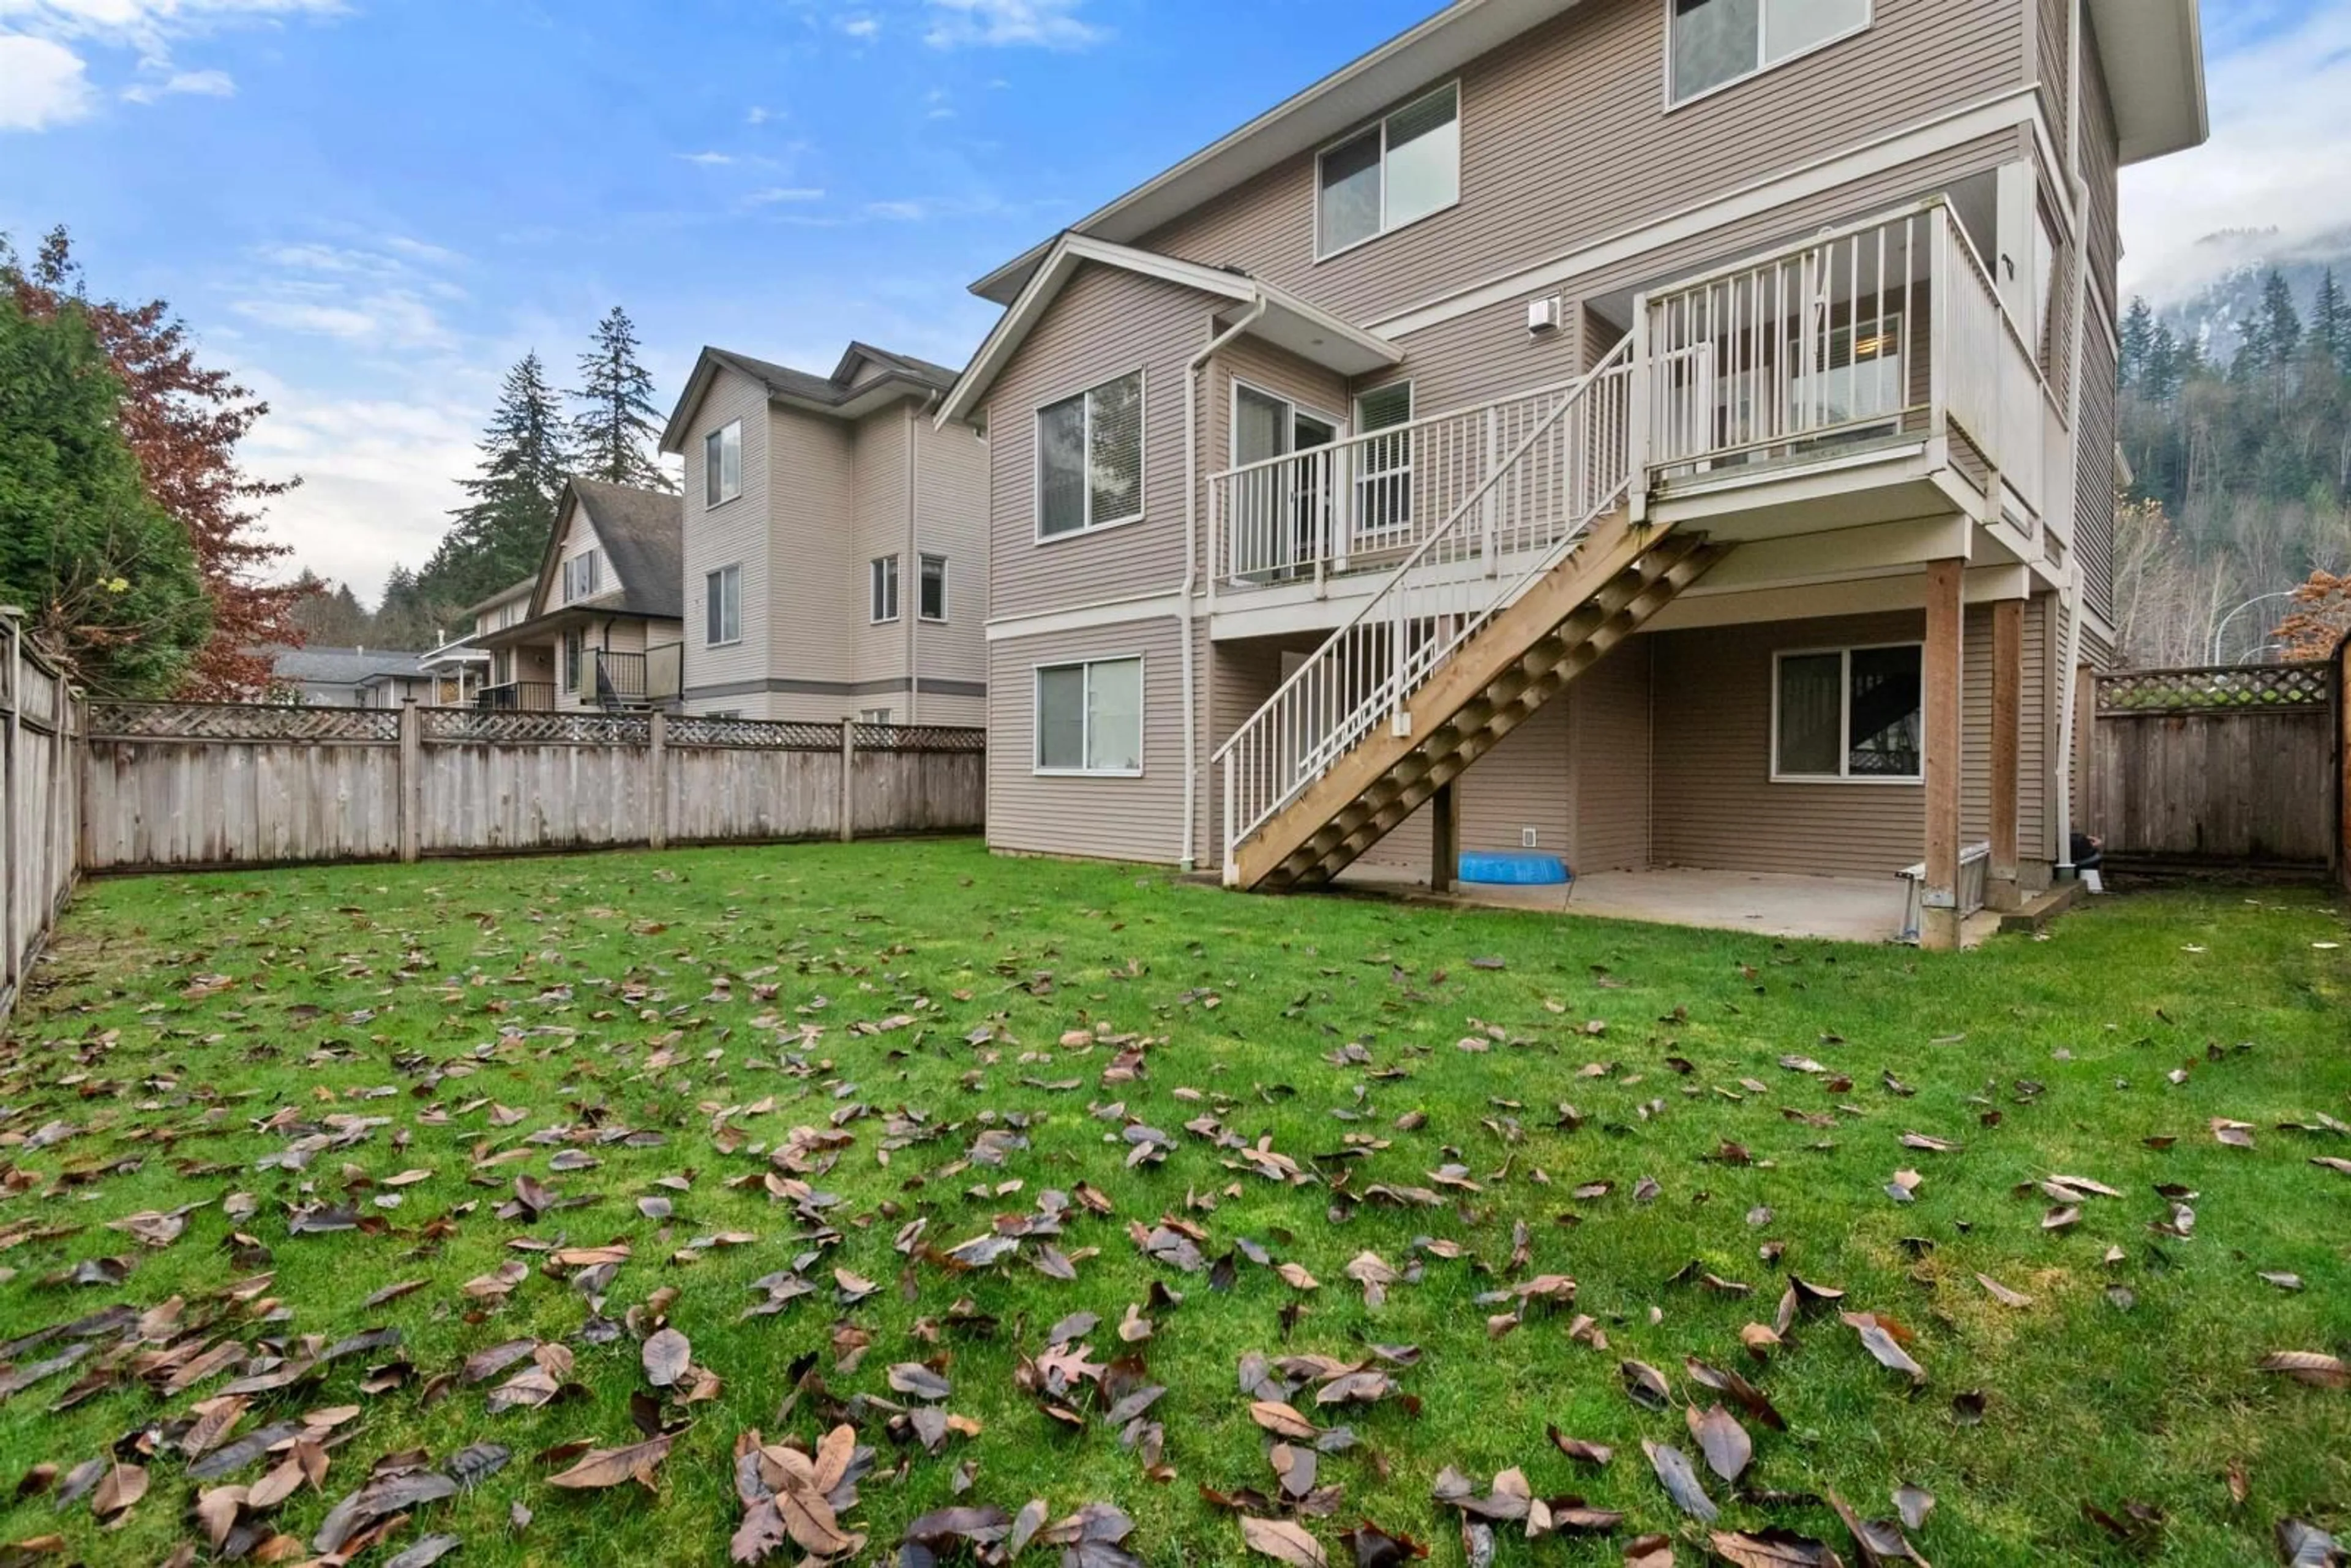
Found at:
[640, 531]
[901, 375]
[512, 591]
[1275, 315]
[2153, 58]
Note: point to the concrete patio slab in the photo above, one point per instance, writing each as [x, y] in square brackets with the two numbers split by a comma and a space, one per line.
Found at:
[1838, 909]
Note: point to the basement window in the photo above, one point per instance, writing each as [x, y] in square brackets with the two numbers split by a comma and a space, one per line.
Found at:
[1848, 714]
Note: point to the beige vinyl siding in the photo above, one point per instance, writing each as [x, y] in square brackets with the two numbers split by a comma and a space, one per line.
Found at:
[951, 506]
[1715, 804]
[1975, 723]
[1488, 354]
[2050, 66]
[736, 532]
[879, 651]
[1138, 819]
[1564, 139]
[2101, 153]
[1608, 741]
[812, 505]
[2094, 532]
[1106, 324]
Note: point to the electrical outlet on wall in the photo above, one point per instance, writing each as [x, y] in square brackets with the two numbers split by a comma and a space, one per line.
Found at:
[1527, 838]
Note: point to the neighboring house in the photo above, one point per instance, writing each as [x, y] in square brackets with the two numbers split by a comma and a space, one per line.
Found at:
[462, 668]
[604, 611]
[835, 542]
[513, 674]
[348, 677]
[1740, 372]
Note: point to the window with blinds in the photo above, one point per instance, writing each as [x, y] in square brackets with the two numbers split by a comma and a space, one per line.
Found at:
[1717, 42]
[1090, 459]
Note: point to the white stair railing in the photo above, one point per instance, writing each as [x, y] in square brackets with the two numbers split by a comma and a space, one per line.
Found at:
[1568, 467]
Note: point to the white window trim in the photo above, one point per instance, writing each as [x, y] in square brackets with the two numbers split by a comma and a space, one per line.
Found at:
[1036, 715]
[945, 586]
[873, 578]
[1845, 716]
[1037, 458]
[1673, 103]
[1376, 536]
[1460, 121]
[710, 500]
[720, 572]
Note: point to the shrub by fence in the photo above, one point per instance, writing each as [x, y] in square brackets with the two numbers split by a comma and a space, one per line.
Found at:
[38, 803]
[191, 784]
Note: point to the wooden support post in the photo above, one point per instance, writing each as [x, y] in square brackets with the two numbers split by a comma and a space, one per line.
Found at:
[1445, 838]
[411, 782]
[848, 778]
[2000, 887]
[657, 782]
[1940, 713]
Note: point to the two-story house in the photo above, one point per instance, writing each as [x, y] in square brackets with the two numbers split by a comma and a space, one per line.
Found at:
[517, 675]
[835, 542]
[605, 611]
[1661, 432]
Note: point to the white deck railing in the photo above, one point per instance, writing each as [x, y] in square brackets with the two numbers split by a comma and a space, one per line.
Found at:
[1536, 498]
[1364, 502]
[1890, 327]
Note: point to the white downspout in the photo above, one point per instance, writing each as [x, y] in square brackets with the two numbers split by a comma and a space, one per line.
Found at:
[913, 559]
[2075, 594]
[1192, 369]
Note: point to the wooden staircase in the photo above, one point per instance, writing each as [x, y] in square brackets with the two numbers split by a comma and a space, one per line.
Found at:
[1614, 577]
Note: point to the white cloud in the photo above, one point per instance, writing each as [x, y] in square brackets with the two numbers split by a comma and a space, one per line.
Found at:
[200, 84]
[859, 26]
[755, 115]
[1044, 24]
[707, 159]
[2280, 144]
[388, 320]
[898, 211]
[775, 194]
[42, 83]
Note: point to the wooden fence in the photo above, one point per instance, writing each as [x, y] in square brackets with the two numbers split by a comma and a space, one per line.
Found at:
[190, 785]
[38, 714]
[2221, 766]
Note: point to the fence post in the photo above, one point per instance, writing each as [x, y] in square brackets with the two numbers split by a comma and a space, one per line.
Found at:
[848, 774]
[412, 781]
[657, 786]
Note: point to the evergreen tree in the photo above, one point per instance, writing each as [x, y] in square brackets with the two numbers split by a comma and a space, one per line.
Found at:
[328, 616]
[108, 577]
[2330, 323]
[615, 435]
[497, 538]
[2274, 336]
[2162, 371]
[407, 621]
[2139, 342]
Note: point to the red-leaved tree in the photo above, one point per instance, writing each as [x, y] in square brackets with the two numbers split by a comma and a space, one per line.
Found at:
[2320, 620]
[183, 422]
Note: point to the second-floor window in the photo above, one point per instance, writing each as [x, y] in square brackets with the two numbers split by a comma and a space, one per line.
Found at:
[722, 606]
[579, 576]
[722, 463]
[1717, 42]
[1384, 467]
[935, 588]
[1090, 459]
[883, 573]
[1402, 169]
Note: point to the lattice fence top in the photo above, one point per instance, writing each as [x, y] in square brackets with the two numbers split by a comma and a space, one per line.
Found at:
[241, 721]
[2225, 688]
[753, 735]
[446, 724]
[920, 738]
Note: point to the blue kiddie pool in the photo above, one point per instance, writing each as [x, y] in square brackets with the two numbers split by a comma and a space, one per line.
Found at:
[1514, 870]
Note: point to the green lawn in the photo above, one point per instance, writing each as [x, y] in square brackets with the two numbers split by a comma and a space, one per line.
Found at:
[956, 1037]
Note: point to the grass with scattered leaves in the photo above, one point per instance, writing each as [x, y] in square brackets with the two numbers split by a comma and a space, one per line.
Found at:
[1677, 1120]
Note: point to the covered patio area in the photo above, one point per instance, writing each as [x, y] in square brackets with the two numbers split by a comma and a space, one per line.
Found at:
[1765, 903]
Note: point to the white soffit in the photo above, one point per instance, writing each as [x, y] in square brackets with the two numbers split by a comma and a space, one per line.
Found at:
[2153, 57]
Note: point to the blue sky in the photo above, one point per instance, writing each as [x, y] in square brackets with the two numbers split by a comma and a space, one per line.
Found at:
[369, 208]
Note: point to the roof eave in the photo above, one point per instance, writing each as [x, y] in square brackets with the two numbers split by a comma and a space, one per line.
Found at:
[2154, 61]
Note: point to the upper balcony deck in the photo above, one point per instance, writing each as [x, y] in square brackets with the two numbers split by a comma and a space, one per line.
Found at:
[1867, 374]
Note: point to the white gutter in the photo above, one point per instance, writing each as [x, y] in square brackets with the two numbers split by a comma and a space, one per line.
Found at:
[2075, 594]
[915, 560]
[1192, 369]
